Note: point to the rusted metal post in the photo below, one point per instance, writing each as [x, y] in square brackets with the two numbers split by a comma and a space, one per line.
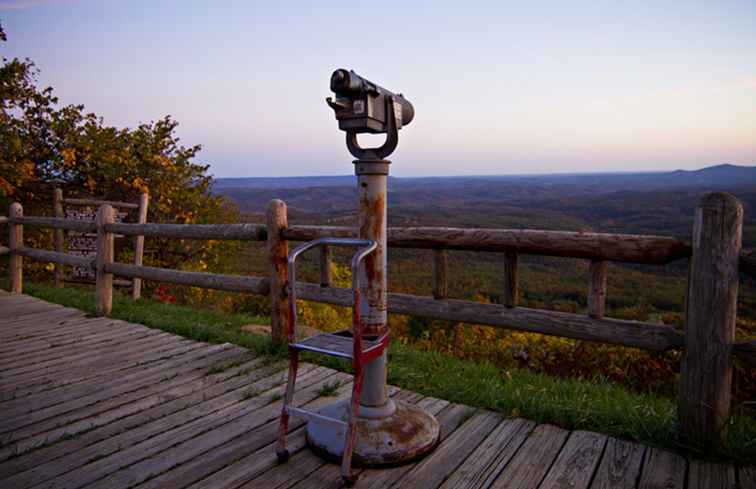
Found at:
[105, 252]
[15, 243]
[371, 182]
[710, 315]
[136, 283]
[278, 252]
[58, 236]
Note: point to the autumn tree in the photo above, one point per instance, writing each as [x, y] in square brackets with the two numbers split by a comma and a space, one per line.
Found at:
[44, 144]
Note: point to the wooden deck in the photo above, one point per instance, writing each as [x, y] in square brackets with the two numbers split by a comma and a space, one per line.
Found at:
[101, 403]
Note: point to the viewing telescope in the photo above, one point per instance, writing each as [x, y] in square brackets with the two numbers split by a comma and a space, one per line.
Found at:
[362, 106]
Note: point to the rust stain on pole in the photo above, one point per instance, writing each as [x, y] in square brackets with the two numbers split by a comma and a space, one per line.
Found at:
[372, 225]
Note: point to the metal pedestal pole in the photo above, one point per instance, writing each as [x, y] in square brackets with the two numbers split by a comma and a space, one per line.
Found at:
[388, 431]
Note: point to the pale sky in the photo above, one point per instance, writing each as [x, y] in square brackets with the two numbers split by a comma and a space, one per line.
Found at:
[498, 87]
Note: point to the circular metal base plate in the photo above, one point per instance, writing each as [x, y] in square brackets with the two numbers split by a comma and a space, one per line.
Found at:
[401, 436]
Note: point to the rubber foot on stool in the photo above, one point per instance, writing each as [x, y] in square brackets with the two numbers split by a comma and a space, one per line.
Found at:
[282, 455]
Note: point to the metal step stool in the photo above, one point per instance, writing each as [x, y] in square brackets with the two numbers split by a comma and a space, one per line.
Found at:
[348, 343]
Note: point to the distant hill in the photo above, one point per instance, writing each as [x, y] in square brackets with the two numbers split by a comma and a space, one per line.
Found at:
[282, 182]
[724, 174]
[647, 203]
[718, 175]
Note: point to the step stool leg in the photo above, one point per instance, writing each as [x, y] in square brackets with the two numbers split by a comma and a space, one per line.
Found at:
[351, 434]
[282, 453]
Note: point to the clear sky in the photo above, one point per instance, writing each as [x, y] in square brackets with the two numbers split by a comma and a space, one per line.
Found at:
[498, 87]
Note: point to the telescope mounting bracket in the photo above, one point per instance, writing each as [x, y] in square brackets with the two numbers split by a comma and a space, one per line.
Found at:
[388, 147]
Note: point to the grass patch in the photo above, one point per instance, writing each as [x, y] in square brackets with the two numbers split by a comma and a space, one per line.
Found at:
[223, 367]
[329, 389]
[595, 405]
[250, 393]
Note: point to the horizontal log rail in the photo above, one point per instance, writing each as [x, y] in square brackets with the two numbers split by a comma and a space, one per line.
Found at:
[233, 283]
[631, 248]
[4, 250]
[95, 202]
[56, 223]
[628, 248]
[634, 334]
[55, 257]
[246, 232]
[3, 219]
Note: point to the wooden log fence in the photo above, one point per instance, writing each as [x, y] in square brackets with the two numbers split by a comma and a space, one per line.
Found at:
[511, 282]
[710, 316]
[597, 289]
[56, 223]
[57, 258]
[232, 283]
[58, 237]
[105, 256]
[629, 248]
[243, 232]
[136, 282]
[278, 254]
[440, 274]
[15, 243]
[708, 341]
[634, 334]
[90, 227]
[97, 202]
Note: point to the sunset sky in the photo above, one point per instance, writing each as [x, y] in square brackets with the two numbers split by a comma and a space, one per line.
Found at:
[498, 87]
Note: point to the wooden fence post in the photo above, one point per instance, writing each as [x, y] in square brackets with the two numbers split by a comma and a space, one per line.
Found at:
[597, 289]
[511, 285]
[710, 314]
[105, 241]
[58, 236]
[16, 242]
[136, 283]
[440, 274]
[325, 266]
[278, 252]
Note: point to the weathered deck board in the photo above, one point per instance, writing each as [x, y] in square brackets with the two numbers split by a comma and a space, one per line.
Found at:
[663, 470]
[534, 458]
[489, 459]
[574, 467]
[101, 403]
[704, 475]
[620, 465]
[747, 477]
[100, 413]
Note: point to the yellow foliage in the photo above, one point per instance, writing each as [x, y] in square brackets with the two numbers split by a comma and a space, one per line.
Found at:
[68, 156]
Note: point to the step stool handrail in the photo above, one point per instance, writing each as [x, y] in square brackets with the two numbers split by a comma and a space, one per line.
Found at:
[365, 247]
